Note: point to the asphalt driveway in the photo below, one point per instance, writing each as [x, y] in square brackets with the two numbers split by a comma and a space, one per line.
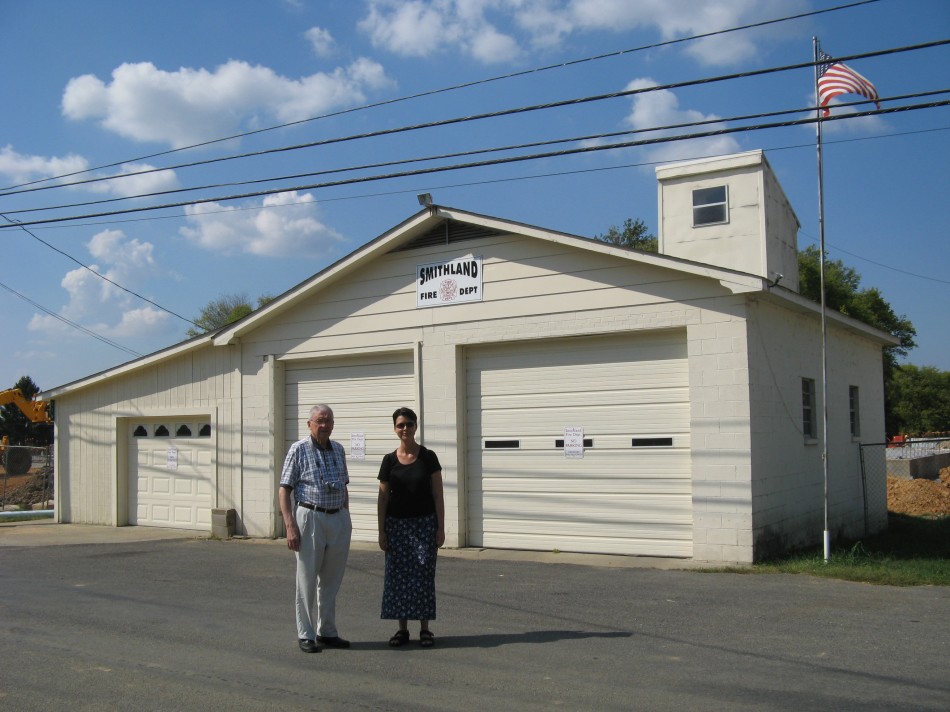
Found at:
[194, 624]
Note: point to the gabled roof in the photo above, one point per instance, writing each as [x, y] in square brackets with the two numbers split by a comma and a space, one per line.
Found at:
[425, 227]
[444, 225]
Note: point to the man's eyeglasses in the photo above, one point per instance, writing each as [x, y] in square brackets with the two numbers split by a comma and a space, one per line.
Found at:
[321, 421]
[407, 424]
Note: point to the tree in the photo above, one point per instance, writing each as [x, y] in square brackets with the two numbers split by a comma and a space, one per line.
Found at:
[633, 234]
[843, 293]
[17, 426]
[920, 401]
[225, 310]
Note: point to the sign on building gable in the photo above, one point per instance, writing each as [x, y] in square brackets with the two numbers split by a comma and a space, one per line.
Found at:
[450, 282]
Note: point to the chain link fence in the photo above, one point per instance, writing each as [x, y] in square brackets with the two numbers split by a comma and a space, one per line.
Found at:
[33, 463]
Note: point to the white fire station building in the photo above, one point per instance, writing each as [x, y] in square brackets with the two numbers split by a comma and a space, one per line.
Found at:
[581, 397]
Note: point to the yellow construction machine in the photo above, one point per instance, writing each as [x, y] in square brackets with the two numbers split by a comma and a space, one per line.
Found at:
[17, 461]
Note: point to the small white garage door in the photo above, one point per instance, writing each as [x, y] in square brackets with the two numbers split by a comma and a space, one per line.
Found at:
[363, 393]
[629, 493]
[171, 471]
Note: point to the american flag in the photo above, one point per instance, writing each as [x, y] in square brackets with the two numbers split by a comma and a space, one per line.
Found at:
[835, 79]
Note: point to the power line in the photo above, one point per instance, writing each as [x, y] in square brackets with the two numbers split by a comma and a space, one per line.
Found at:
[519, 158]
[73, 324]
[878, 264]
[97, 274]
[465, 85]
[493, 162]
[497, 114]
[490, 115]
[557, 174]
[473, 152]
[491, 181]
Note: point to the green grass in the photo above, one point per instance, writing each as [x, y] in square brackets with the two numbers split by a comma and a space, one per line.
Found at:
[913, 551]
[25, 515]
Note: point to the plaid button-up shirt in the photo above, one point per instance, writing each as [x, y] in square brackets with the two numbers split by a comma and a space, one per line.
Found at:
[318, 477]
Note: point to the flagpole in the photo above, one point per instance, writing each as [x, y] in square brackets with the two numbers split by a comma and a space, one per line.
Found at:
[824, 329]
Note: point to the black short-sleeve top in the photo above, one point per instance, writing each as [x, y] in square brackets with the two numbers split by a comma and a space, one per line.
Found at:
[410, 486]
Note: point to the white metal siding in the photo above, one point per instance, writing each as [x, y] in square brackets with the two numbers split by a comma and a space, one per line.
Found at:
[162, 496]
[617, 498]
[363, 393]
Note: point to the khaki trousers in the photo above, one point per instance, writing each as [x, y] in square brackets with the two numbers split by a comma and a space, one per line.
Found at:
[321, 563]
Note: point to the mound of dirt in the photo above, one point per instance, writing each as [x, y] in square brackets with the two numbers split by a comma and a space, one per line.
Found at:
[24, 490]
[920, 497]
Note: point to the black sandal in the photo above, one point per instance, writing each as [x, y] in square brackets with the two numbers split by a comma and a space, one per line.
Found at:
[426, 639]
[400, 637]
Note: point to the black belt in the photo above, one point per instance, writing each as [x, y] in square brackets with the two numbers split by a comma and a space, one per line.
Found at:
[315, 508]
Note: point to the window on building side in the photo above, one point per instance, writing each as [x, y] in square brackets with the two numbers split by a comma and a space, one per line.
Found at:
[809, 425]
[710, 206]
[855, 410]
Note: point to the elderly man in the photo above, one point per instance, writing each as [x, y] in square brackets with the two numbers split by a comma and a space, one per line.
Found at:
[315, 505]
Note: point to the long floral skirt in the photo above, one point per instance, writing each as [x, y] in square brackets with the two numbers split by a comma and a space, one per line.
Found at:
[409, 584]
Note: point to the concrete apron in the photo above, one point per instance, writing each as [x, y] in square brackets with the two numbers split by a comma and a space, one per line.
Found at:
[46, 532]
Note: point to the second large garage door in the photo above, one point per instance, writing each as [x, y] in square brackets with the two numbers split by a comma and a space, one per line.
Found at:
[363, 393]
[629, 493]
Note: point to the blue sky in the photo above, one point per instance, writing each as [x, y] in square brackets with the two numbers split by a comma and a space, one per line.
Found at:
[113, 83]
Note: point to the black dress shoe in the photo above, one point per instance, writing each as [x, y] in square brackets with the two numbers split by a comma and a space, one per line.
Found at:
[334, 642]
[308, 646]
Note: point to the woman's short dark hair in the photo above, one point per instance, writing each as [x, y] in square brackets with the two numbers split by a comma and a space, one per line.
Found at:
[405, 413]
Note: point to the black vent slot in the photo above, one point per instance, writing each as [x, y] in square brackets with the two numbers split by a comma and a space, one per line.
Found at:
[651, 442]
[448, 232]
[499, 444]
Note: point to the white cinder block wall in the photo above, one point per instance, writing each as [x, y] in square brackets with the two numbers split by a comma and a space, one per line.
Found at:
[788, 473]
[720, 435]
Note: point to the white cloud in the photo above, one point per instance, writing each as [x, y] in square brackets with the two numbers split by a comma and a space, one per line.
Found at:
[143, 323]
[135, 324]
[488, 46]
[21, 168]
[425, 27]
[189, 106]
[680, 18]
[285, 224]
[138, 179]
[321, 41]
[17, 168]
[421, 28]
[100, 306]
[661, 108]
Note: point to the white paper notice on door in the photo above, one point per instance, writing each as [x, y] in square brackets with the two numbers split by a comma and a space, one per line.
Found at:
[573, 442]
[357, 446]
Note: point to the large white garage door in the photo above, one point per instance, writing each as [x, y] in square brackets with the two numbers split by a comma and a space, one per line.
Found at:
[363, 393]
[629, 493]
[171, 474]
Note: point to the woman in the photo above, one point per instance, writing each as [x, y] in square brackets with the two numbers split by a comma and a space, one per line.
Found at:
[411, 514]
